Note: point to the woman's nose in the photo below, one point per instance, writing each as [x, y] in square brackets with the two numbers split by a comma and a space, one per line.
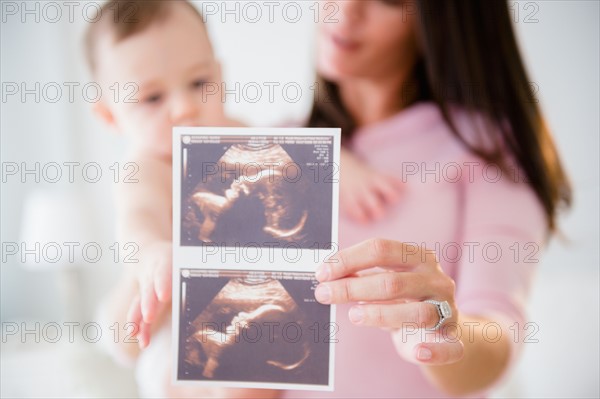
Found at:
[350, 11]
[184, 111]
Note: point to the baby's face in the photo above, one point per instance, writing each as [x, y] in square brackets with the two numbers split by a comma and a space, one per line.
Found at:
[169, 66]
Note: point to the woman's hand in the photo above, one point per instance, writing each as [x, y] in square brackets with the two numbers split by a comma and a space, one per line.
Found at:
[154, 276]
[389, 281]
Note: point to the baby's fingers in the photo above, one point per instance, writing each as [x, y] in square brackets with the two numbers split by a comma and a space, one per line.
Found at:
[141, 330]
[373, 205]
[134, 315]
[354, 210]
[148, 299]
[389, 189]
[162, 284]
[144, 335]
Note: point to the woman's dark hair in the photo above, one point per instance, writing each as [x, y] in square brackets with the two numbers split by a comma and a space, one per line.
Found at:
[470, 58]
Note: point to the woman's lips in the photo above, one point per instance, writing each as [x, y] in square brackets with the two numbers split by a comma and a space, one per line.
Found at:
[344, 43]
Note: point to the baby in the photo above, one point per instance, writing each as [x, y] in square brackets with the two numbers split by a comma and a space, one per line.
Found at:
[162, 51]
[159, 52]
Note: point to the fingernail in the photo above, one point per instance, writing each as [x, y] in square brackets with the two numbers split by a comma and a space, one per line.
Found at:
[356, 315]
[323, 293]
[146, 317]
[322, 273]
[424, 354]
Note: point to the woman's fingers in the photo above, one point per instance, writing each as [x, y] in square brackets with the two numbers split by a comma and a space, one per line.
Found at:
[382, 286]
[373, 253]
[400, 315]
[439, 353]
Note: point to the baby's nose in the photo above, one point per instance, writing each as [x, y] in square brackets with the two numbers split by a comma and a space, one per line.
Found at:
[184, 111]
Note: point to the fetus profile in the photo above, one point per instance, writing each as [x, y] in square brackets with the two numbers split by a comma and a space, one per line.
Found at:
[214, 342]
[249, 203]
[235, 327]
[260, 185]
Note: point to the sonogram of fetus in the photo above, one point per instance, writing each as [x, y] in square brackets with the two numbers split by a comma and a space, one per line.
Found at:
[253, 203]
[243, 303]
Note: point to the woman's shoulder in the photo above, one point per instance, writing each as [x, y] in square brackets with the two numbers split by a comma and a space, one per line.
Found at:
[476, 129]
[458, 135]
[497, 192]
[423, 125]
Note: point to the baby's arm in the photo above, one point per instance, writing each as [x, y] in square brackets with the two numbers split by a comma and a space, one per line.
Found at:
[365, 193]
[144, 218]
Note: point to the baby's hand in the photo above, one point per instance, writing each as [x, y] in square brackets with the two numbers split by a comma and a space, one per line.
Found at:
[154, 275]
[364, 192]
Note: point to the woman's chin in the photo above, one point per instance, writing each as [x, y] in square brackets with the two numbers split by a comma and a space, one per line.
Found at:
[336, 70]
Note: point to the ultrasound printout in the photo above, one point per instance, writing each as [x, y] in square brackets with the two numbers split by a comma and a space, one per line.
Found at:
[255, 212]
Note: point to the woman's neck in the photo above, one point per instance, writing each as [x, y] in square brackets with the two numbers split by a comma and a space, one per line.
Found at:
[372, 100]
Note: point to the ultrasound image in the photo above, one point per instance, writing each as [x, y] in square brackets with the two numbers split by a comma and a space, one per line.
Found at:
[252, 326]
[265, 191]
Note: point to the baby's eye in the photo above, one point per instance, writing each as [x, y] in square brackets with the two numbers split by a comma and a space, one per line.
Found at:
[198, 83]
[153, 99]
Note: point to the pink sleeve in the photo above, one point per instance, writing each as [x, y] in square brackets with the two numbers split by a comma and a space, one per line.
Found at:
[503, 234]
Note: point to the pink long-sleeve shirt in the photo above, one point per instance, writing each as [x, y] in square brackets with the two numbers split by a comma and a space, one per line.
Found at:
[486, 229]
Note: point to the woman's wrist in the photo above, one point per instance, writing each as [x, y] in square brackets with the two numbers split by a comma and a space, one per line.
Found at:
[484, 360]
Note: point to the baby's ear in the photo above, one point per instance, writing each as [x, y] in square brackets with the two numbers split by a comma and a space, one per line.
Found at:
[106, 115]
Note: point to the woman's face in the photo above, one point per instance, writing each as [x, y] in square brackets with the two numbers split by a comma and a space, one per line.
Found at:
[370, 39]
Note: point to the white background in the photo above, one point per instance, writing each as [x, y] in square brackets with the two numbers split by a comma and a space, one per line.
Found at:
[562, 53]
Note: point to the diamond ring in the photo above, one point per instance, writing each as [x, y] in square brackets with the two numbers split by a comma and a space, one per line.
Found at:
[444, 312]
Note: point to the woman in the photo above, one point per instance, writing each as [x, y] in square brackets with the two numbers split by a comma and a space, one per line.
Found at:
[436, 93]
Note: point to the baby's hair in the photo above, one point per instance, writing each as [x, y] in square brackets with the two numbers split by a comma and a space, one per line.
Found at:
[124, 18]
